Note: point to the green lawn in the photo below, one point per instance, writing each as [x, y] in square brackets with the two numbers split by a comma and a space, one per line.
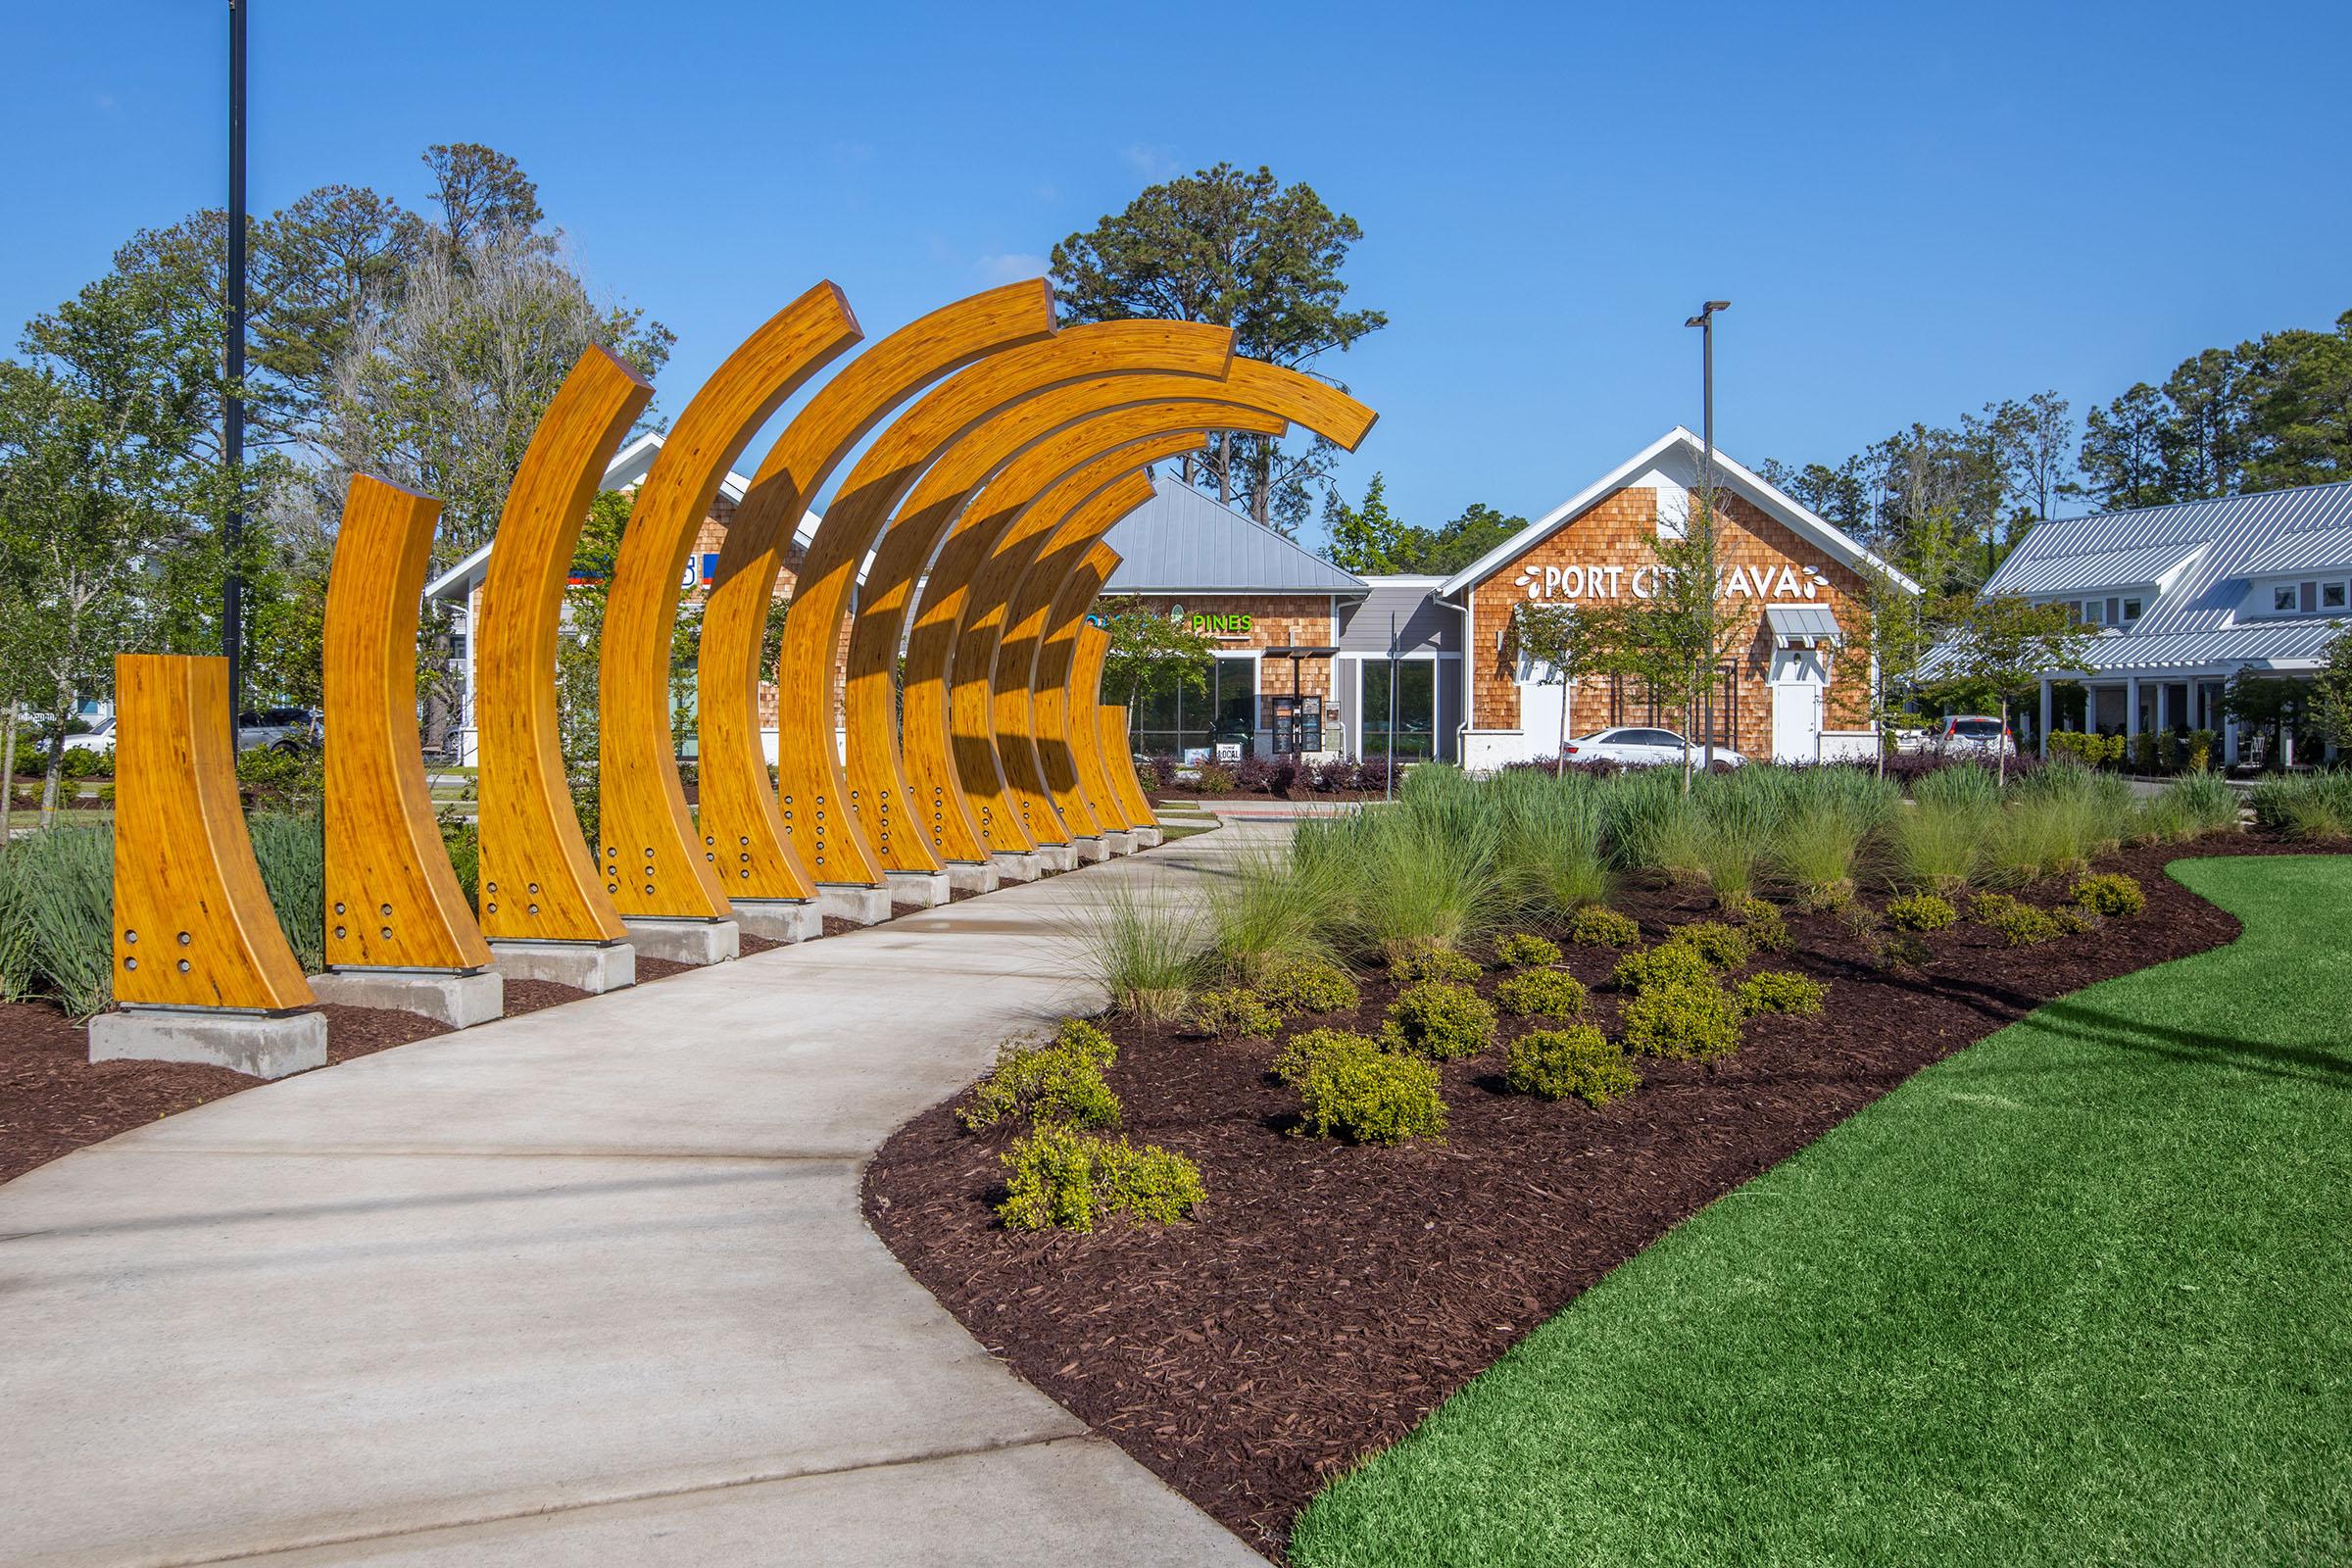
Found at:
[2081, 1295]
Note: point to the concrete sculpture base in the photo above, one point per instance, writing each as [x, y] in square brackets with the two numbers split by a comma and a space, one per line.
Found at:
[460, 998]
[1121, 843]
[1016, 865]
[697, 942]
[854, 900]
[974, 876]
[1057, 858]
[259, 1045]
[1091, 849]
[781, 920]
[591, 966]
[930, 888]
[1146, 838]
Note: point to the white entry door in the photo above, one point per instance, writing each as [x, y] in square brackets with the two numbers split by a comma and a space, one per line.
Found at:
[1800, 676]
[1540, 718]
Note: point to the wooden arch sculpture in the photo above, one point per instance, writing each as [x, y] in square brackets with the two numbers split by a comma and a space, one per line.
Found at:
[654, 860]
[1068, 732]
[819, 806]
[538, 881]
[193, 923]
[742, 821]
[392, 899]
[1113, 743]
[1038, 492]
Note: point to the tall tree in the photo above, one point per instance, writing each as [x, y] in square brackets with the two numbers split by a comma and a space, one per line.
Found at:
[1373, 539]
[1678, 639]
[2034, 444]
[1238, 249]
[1152, 654]
[2123, 451]
[482, 194]
[2000, 648]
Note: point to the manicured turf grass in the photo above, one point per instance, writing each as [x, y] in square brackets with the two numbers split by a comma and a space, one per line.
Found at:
[2081, 1295]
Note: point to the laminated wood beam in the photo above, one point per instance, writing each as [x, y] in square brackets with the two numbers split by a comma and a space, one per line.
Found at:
[824, 801]
[655, 860]
[193, 923]
[392, 899]
[742, 820]
[538, 880]
[1068, 734]
[1115, 746]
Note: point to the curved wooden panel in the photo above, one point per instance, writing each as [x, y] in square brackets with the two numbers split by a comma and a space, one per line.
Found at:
[1069, 733]
[539, 882]
[820, 806]
[1038, 491]
[1115, 746]
[654, 860]
[392, 899]
[193, 925]
[741, 817]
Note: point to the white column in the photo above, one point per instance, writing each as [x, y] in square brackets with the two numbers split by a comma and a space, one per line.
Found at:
[2041, 730]
[2164, 690]
[2229, 739]
[2130, 707]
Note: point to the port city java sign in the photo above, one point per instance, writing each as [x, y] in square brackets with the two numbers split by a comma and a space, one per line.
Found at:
[1614, 582]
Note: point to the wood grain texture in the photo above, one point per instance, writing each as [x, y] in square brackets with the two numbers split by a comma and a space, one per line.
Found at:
[1069, 737]
[538, 880]
[392, 899]
[656, 861]
[1117, 749]
[741, 815]
[824, 802]
[193, 925]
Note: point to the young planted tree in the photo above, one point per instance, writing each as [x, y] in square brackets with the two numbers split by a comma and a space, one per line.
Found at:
[1678, 639]
[1569, 642]
[2267, 703]
[2331, 697]
[1152, 654]
[2000, 648]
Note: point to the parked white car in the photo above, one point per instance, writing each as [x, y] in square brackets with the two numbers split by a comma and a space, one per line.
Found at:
[1979, 734]
[1629, 747]
[99, 737]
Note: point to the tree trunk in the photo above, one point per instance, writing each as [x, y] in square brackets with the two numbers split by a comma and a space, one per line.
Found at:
[2000, 746]
[56, 769]
[1225, 466]
[8, 770]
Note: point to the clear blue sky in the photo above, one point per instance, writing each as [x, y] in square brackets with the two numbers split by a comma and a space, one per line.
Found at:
[1914, 209]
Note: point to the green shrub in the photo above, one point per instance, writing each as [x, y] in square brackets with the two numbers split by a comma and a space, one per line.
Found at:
[1432, 964]
[1690, 1020]
[1439, 1019]
[2111, 894]
[1524, 950]
[464, 845]
[1724, 947]
[1920, 911]
[1555, 1064]
[1349, 1088]
[1667, 963]
[1060, 1178]
[1540, 994]
[1235, 1014]
[1596, 926]
[276, 780]
[1780, 990]
[1216, 779]
[1763, 924]
[2073, 920]
[2021, 925]
[1058, 1081]
[1310, 985]
[83, 762]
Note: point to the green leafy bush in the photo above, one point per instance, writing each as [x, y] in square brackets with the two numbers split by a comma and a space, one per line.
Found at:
[272, 779]
[1216, 779]
[2073, 920]
[2110, 894]
[1235, 1014]
[1432, 964]
[1524, 950]
[1763, 924]
[1690, 1020]
[1780, 990]
[1060, 1178]
[1310, 985]
[1349, 1088]
[1724, 947]
[1058, 1081]
[1920, 911]
[2018, 923]
[1598, 926]
[83, 762]
[1555, 1064]
[1667, 963]
[1439, 1019]
[1540, 994]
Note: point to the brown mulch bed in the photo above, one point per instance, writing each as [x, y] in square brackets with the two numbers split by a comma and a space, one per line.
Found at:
[1330, 1297]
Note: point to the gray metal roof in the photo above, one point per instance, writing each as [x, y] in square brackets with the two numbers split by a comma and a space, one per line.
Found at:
[1423, 623]
[1808, 621]
[1181, 541]
[2217, 550]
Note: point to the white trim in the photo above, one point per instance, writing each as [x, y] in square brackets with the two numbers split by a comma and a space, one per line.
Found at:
[1804, 523]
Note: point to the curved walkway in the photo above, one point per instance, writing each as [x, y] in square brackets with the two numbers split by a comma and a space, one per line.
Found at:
[586, 1286]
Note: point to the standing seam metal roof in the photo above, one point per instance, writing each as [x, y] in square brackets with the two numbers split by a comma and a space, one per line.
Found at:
[1181, 541]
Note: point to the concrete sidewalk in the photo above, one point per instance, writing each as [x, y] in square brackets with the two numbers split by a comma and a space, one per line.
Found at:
[587, 1286]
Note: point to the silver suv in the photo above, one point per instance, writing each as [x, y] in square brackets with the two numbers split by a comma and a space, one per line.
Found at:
[281, 730]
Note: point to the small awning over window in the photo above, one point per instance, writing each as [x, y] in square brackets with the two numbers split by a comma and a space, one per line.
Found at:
[1804, 626]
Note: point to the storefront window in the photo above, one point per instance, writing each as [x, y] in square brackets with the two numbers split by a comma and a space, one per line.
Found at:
[1416, 688]
[1221, 706]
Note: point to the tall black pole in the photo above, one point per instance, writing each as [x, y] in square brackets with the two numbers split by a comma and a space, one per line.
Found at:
[232, 413]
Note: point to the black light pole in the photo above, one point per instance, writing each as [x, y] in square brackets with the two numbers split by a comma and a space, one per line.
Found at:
[1704, 321]
[232, 409]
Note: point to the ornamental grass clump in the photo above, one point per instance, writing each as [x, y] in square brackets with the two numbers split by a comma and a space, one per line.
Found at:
[1920, 911]
[1350, 1089]
[1668, 964]
[2305, 806]
[1735, 826]
[1440, 1020]
[57, 927]
[1781, 990]
[1310, 985]
[1234, 1012]
[2111, 894]
[1058, 1081]
[1557, 1063]
[1724, 947]
[2190, 806]
[1689, 1020]
[1549, 858]
[1524, 950]
[1271, 911]
[1540, 994]
[1593, 926]
[1059, 1178]
[1146, 953]
[2020, 924]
